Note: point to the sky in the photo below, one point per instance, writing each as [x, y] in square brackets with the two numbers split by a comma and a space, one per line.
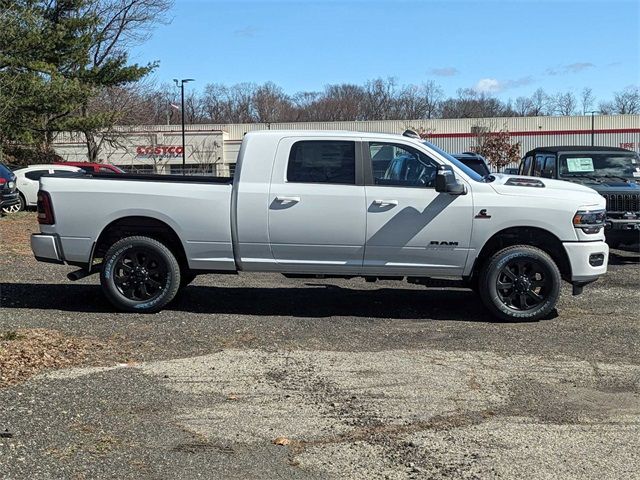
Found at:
[505, 48]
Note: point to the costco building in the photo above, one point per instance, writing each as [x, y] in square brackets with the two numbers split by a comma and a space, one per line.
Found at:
[213, 149]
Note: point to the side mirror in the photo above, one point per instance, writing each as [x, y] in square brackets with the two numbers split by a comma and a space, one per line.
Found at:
[547, 173]
[446, 182]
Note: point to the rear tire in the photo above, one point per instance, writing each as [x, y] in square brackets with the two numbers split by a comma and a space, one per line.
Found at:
[18, 207]
[520, 283]
[140, 274]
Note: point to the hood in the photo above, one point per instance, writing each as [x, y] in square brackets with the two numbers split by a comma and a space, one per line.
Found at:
[552, 189]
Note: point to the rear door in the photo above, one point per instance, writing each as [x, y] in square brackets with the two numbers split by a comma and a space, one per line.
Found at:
[30, 184]
[411, 228]
[317, 210]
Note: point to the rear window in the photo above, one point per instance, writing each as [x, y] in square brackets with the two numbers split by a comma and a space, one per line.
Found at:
[36, 174]
[322, 161]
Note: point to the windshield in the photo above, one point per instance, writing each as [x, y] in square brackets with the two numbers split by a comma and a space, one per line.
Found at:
[614, 164]
[468, 171]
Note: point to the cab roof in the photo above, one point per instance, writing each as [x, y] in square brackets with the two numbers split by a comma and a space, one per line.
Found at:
[576, 148]
[332, 133]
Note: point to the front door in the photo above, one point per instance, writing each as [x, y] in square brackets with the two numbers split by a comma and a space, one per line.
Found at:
[411, 228]
[317, 210]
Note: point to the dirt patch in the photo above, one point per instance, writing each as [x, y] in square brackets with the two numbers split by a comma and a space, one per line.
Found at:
[15, 232]
[27, 352]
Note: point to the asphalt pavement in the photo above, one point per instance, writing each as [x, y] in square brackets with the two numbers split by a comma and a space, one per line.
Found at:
[353, 379]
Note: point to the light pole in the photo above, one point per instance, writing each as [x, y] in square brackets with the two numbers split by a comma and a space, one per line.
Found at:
[180, 83]
[592, 112]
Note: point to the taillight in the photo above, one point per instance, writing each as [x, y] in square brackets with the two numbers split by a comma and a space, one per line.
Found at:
[3, 181]
[45, 209]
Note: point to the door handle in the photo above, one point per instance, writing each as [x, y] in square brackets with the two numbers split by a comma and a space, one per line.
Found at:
[385, 203]
[284, 199]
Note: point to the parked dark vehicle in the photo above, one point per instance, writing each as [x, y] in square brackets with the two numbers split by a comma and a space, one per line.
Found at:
[510, 171]
[613, 172]
[9, 197]
[475, 162]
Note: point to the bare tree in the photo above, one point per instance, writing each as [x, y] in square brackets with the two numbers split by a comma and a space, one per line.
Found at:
[433, 95]
[379, 99]
[271, 104]
[472, 104]
[523, 106]
[625, 102]
[125, 23]
[564, 104]
[193, 108]
[587, 100]
[419, 101]
[206, 155]
[539, 103]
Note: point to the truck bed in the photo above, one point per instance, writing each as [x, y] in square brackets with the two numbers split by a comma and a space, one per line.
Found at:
[196, 208]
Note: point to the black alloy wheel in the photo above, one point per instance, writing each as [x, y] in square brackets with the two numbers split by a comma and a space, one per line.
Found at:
[140, 274]
[523, 284]
[520, 282]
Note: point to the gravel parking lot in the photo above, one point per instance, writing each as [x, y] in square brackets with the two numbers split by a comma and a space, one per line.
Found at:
[258, 376]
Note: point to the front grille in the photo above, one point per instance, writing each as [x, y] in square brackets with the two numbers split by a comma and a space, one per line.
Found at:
[622, 202]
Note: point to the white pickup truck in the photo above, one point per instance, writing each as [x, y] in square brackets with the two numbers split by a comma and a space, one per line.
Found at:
[333, 204]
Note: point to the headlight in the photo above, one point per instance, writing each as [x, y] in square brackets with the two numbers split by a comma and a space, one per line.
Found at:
[589, 221]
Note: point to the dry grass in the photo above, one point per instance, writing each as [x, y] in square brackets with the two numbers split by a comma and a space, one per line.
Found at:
[15, 232]
[27, 352]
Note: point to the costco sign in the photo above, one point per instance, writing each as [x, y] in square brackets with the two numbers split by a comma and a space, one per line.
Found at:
[164, 151]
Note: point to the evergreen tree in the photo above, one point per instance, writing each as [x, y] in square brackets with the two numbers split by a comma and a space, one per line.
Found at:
[52, 63]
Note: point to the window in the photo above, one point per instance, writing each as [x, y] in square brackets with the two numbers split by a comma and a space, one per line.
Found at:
[537, 169]
[58, 171]
[35, 175]
[550, 164]
[526, 166]
[322, 161]
[401, 166]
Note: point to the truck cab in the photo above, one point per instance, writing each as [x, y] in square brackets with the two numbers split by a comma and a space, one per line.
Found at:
[612, 172]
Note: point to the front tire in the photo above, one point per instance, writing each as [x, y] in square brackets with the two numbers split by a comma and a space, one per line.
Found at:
[520, 283]
[140, 274]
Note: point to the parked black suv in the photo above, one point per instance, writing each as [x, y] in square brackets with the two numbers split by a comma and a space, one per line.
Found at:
[8, 191]
[613, 172]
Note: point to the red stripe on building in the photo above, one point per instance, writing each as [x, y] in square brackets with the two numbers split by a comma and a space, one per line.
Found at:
[537, 133]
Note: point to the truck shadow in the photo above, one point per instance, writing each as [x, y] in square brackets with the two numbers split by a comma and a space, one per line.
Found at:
[311, 301]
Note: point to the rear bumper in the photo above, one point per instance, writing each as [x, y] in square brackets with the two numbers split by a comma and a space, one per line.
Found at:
[8, 199]
[588, 260]
[45, 248]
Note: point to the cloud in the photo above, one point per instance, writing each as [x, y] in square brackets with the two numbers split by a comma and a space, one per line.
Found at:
[493, 85]
[487, 85]
[570, 68]
[444, 71]
[247, 32]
